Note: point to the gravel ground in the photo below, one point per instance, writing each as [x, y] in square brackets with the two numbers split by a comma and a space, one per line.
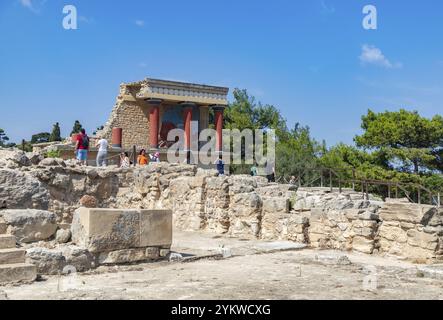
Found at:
[253, 274]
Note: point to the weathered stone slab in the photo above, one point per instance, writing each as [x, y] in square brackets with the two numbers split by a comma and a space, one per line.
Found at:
[101, 230]
[12, 255]
[363, 245]
[275, 205]
[29, 225]
[122, 256]
[47, 261]
[404, 212]
[7, 241]
[10, 273]
[105, 230]
[155, 228]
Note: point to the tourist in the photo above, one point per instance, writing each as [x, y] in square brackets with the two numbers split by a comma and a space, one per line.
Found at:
[270, 171]
[82, 147]
[220, 166]
[155, 157]
[142, 159]
[102, 153]
[124, 160]
[293, 181]
[254, 170]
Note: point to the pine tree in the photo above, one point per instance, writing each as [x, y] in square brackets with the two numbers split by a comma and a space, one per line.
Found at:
[77, 127]
[55, 134]
[3, 138]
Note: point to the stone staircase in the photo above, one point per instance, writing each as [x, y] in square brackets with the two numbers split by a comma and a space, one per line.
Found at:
[12, 260]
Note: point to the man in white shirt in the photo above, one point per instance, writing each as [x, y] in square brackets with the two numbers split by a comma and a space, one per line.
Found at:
[102, 153]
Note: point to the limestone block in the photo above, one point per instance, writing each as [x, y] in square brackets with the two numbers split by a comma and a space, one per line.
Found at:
[275, 205]
[47, 261]
[104, 230]
[7, 241]
[422, 239]
[12, 255]
[391, 233]
[21, 190]
[122, 256]
[30, 225]
[152, 253]
[155, 228]
[363, 245]
[23, 272]
[403, 212]
[80, 258]
[245, 213]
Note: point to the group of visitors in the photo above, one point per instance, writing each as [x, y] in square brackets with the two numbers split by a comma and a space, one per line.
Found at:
[143, 159]
[102, 145]
[269, 168]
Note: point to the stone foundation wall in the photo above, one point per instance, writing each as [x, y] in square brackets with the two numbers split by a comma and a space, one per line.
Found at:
[240, 206]
[411, 231]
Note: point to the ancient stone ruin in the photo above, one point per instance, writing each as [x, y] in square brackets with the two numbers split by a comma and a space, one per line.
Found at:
[56, 214]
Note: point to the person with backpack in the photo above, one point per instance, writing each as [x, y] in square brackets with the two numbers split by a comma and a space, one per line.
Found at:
[82, 147]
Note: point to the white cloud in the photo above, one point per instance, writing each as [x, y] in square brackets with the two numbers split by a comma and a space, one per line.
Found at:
[139, 23]
[327, 9]
[143, 65]
[373, 55]
[26, 3]
[33, 5]
[86, 19]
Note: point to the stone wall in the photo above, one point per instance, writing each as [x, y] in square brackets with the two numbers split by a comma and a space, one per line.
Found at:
[240, 206]
[56, 185]
[133, 118]
[130, 115]
[411, 231]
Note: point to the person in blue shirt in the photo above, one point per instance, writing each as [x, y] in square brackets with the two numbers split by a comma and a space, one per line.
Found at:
[220, 166]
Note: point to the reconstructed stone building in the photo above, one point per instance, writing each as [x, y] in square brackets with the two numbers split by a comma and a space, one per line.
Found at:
[147, 110]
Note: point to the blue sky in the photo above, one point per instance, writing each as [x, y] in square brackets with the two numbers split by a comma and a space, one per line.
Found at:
[310, 58]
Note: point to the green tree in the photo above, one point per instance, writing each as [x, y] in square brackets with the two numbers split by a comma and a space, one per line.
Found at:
[41, 137]
[297, 153]
[3, 138]
[55, 134]
[245, 113]
[25, 146]
[77, 127]
[98, 129]
[404, 137]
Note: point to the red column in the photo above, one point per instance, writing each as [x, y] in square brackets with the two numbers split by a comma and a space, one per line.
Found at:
[219, 128]
[117, 134]
[154, 114]
[187, 118]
